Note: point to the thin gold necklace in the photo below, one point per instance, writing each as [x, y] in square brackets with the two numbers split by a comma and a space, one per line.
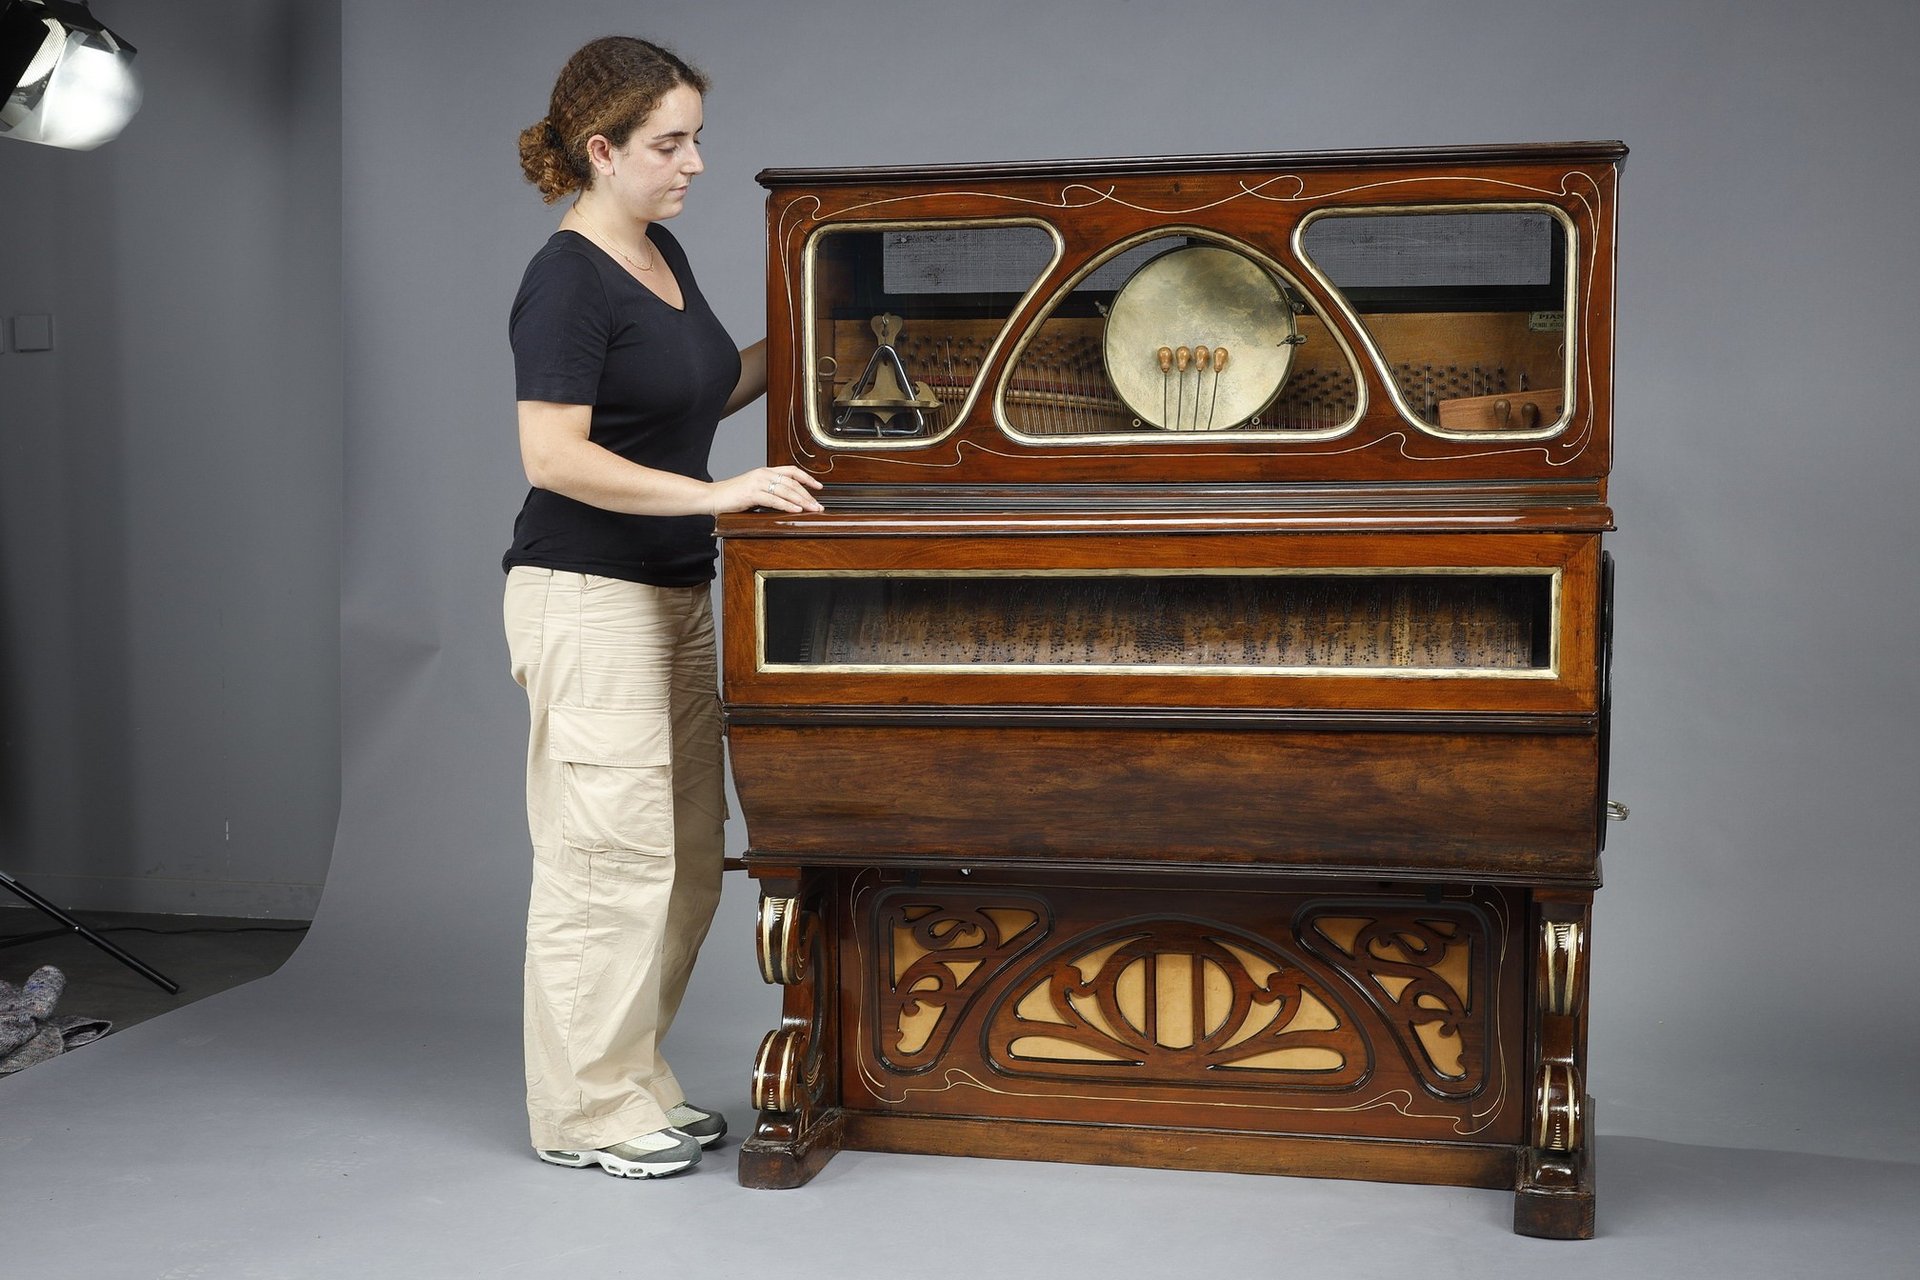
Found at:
[601, 232]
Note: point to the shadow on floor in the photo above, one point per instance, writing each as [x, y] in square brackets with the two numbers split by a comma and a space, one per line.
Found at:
[203, 954]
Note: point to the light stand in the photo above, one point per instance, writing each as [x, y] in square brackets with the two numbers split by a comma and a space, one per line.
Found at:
[134, 963]
[66, 81]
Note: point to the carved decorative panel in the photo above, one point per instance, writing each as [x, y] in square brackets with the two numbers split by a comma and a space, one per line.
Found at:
[938, 956]
[1174, 1001]
[1145, 1004]
[1425, 970]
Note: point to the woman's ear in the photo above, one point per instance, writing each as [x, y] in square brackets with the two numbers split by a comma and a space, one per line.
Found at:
[600, 154]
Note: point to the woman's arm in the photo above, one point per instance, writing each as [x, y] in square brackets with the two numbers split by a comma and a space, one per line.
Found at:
[753, 377]
[558, 456]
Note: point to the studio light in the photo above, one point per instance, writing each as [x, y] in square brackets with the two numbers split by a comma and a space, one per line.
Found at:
[67, 80]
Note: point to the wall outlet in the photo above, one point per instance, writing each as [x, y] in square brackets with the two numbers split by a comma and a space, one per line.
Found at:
[32, 333]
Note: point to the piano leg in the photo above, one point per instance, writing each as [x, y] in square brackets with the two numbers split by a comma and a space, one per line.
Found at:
[796, 1072]
[1554, 1195]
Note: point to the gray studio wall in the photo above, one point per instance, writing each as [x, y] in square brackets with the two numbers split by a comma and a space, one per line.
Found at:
[1750, 984]
[170, 478]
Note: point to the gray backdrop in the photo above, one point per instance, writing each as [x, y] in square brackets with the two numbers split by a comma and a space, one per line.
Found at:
[1749, 985]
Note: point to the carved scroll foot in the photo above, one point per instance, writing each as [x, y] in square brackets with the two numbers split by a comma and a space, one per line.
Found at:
[1555, 1196]
[777, 1158]
[1554, 1189]
[794, 1137]
[800, 1124]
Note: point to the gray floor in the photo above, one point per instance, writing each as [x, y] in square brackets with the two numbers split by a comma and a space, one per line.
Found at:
[330, 1121]
[202, 955]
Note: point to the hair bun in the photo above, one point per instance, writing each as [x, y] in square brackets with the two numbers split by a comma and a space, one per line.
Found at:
[544, 163]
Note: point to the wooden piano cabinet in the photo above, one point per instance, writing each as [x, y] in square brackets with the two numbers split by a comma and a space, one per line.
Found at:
[1130, 780]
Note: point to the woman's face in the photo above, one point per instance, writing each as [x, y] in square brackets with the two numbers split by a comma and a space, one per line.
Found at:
[650, 174]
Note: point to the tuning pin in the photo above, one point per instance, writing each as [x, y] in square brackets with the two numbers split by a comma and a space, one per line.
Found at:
[1202, 358]
[1219, 360]
[1182, 357]
[1166, 359]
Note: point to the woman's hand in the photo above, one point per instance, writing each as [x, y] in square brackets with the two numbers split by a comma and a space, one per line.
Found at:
[775, 488]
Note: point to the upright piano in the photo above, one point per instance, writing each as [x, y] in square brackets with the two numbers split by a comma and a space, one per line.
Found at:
[1182, 739]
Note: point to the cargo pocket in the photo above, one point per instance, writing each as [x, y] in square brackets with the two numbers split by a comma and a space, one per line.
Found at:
[616, 763]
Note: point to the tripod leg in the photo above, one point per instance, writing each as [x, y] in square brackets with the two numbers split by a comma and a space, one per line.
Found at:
[146, 971]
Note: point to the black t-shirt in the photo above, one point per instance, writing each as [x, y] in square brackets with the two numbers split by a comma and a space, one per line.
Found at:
[586, 332]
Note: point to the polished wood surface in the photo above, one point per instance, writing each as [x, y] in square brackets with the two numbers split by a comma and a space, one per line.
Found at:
[1254, 202]
[1397, 158]
[1518, 806]
[1202, 799]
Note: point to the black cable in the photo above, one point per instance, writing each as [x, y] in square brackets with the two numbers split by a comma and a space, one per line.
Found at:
[250, 928]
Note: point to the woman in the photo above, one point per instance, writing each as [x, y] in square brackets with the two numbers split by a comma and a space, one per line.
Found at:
[622, 375]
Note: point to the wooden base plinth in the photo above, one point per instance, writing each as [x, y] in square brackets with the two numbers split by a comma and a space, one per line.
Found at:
[1554, 1198]
[1365, 1159]
[774, 1165]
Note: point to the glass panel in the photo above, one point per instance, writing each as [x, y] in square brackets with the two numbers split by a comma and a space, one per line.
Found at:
[1468, 310]
[1178, 334]
[905, 317]
[1412, 622]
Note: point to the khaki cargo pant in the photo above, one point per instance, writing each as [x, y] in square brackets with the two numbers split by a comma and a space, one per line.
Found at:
[626, 806]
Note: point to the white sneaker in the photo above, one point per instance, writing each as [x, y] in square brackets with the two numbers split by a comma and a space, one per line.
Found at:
[651, 1155]
[704, 1127]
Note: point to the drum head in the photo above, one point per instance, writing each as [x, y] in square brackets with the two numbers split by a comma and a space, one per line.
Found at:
[1193, 297]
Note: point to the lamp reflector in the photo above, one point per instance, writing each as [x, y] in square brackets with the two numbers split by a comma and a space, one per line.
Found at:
[78, 88]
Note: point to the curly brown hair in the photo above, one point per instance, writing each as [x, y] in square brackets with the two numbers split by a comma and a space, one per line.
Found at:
[610, 86]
